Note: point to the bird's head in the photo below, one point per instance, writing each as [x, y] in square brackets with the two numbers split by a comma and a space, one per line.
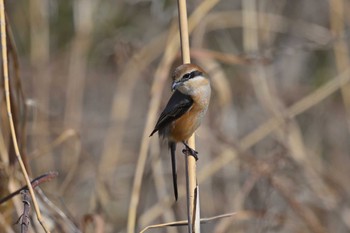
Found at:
[187, 78]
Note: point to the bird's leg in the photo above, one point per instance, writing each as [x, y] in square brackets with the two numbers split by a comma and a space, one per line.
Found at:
[190, 151]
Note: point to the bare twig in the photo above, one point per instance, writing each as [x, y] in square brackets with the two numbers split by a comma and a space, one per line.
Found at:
[184, 222]
[36, 182]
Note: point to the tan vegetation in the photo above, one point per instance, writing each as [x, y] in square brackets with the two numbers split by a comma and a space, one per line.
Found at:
[87, 81]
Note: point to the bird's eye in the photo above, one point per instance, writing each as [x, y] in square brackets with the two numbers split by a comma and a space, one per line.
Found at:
[186, 76]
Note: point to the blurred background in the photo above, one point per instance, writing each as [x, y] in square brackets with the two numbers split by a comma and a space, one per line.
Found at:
[89, 78]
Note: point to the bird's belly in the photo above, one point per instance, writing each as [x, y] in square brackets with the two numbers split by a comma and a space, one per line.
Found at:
[184, 127]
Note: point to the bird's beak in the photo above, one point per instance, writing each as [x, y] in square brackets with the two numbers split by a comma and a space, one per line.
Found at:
[175, 85]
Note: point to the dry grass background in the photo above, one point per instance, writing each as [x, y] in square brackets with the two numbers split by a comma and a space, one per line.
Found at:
[274, 147]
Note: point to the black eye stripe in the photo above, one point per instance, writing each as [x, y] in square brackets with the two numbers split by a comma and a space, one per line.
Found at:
[196, 73]
[191, 75]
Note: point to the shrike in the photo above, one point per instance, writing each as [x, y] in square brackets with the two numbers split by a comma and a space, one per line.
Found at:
[185, 110]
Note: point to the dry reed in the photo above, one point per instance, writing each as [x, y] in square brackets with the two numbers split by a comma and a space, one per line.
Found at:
[274, 142]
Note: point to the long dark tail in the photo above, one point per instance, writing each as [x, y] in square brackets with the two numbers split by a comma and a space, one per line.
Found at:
[172, 147]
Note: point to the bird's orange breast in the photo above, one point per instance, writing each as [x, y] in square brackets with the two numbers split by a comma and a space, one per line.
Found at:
[184, 127]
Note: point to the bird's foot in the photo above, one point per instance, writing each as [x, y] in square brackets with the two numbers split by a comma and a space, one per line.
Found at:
[190, 151]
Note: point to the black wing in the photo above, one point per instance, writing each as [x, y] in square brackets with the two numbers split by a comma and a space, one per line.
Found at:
[178, 105]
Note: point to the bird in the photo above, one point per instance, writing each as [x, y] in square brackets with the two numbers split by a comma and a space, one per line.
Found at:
[184, 111]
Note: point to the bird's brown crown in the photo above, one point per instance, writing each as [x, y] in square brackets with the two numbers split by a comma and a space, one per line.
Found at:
[186, 72]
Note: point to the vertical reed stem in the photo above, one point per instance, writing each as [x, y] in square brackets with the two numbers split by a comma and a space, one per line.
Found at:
[191, 179]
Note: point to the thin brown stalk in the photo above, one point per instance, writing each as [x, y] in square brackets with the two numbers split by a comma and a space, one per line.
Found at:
[20, 97]
[9, 112]
[193, 207]
[338, 26]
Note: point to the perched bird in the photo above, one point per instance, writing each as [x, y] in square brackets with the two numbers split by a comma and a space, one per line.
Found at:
[184, 112]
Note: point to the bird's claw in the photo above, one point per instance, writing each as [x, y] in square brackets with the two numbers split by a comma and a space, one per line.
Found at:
[190, 151]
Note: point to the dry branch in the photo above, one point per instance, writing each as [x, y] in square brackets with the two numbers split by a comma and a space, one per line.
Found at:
[36, 182]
